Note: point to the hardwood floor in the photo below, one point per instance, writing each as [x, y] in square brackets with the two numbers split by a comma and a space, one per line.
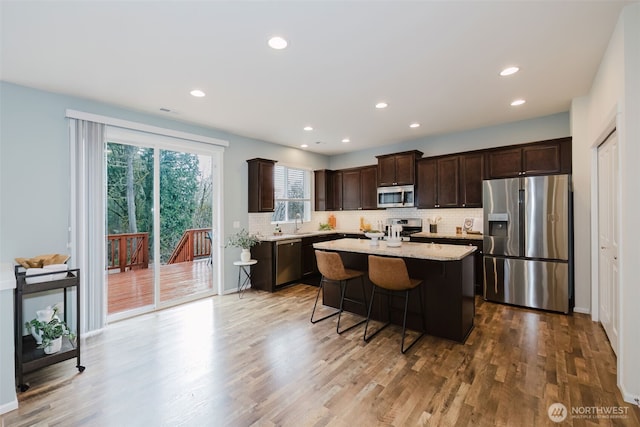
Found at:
[225, 361]
[134, 289]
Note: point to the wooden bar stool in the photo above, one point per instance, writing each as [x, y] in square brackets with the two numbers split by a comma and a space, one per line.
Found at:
[390, 276]
[332, 269]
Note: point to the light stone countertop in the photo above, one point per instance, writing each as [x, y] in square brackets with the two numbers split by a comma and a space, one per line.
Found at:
[430, 251]
[463, 236]
[7, 276]
[301, 234]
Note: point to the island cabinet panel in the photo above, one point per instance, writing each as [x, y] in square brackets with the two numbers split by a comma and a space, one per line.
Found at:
[261, 187]
[539, 158]
[398, 168]
[471, 174]
[478, 262]
[447, 293]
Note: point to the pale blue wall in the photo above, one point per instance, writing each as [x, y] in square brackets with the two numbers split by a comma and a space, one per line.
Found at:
[538, 129]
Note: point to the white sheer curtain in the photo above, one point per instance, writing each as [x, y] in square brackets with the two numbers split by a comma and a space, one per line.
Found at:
[88, 219]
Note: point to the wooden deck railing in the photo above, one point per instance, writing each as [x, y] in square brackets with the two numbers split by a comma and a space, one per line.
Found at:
[194, 243]
[127, 251]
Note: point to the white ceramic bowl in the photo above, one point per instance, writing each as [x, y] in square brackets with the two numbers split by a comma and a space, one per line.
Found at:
[375, 235]
[56, 267]
[32, 271]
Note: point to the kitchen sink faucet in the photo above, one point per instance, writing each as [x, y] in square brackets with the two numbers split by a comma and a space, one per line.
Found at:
[295, 223]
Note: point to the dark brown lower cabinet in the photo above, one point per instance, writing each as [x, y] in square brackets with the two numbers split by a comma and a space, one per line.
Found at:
[263, 274]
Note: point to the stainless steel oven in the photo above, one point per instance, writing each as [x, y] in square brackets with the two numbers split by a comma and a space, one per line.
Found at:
[400, 196]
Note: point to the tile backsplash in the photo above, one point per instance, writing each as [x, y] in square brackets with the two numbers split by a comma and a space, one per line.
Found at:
[350, 220]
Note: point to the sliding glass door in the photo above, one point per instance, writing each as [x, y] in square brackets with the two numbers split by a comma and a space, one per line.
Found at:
[186, 229]
[160, 239]
[129, 240]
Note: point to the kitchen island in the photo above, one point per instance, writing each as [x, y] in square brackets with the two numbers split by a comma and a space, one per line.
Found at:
[448, 288]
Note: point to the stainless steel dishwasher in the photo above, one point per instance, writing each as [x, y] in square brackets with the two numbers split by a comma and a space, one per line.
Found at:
[288, 261]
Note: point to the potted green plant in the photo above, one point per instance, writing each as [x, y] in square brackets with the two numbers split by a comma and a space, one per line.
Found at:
[244, 240]
[50, 331]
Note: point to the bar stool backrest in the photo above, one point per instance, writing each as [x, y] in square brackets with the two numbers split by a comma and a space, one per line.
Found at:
[389, 273]
[330, 266]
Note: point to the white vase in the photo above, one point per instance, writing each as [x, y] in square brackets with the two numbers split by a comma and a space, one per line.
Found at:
[54, 346]
[245, 255]
[46, 316]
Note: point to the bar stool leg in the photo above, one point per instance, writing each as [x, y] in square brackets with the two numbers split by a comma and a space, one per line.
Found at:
[368, 338]
[320, 288]
[404, 323]
[343, 289]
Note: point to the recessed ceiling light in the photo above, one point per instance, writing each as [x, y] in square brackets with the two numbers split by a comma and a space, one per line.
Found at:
[508, 71]
[308, 128]
[277, 43]
[345, 140]
[518, 102]
[414, 125]
[381, 105]
[304, 145]
[197, 93]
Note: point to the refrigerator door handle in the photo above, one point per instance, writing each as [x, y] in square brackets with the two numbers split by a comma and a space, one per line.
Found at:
[521, 215]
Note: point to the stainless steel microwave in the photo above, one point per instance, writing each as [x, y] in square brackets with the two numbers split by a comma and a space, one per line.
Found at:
[400, 196]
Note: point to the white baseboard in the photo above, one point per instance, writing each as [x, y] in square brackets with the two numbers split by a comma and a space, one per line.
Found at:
[629, 397]
[582, 310]
[10, 406]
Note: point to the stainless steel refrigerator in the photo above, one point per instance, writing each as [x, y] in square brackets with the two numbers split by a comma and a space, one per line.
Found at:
[527, 242]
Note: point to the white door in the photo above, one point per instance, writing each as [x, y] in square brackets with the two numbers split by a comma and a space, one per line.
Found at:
[608, 203]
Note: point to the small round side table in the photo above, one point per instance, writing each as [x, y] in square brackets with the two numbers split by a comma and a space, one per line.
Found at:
[244, 275]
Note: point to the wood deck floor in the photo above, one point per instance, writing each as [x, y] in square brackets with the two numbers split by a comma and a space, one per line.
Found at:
[225, 361]
[134, 289]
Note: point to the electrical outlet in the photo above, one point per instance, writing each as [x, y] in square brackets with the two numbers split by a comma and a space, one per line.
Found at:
[236, 224]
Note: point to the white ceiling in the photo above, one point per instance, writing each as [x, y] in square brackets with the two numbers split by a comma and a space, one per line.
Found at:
[436, 63]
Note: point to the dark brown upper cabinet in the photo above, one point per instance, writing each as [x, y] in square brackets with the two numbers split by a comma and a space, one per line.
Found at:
[471, 174]
[369, 187]
[351, 189]
[538, 158]
[337, 190]
[261, 189]
[427, 183]
[346, 189]
[398, 168]
[450, 181]
[438, 182]
[323, 190]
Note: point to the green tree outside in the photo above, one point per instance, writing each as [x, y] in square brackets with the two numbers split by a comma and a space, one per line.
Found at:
[185, 194]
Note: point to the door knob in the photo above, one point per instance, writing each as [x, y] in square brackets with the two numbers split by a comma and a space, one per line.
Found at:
[603, 247]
